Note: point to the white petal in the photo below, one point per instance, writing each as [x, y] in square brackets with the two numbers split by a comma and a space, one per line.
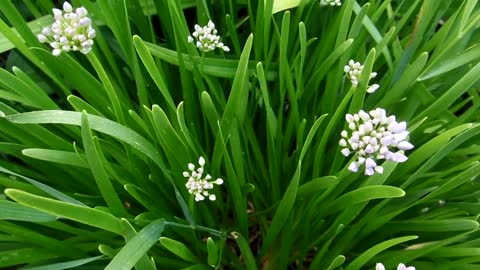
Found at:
[349, 118]
[379, 266]
[91, 33]
[370, 163]
[343, 143]
[211, 25]
[353, 167]
[352, 126]
[379, 169]
[372, 88]
[369, 149]
[57, 14]
[354, 146]
[46, 31]
[399, 157]
[355, 137]
[361, 160]
[42, 38]
[56, 52]
[369, 171]
[191, 166]
[404, 145]
[401, 136]
[219, 181]
[67, 7]
[401, 127]
[212, 197]
[201, 161]
[85, 21]
[81, 11]
[386, 140]
[345, 152]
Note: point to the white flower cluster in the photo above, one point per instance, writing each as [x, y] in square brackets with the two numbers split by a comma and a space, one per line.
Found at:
[380, 266]
[206, 38]
[354, 71]
[71, 31]
[197, 184]
[374, 136]
[333, 2]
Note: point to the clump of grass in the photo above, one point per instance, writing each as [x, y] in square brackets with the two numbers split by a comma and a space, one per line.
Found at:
[320, 162]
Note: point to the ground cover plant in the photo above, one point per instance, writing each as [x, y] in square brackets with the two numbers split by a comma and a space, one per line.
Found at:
[240, 134]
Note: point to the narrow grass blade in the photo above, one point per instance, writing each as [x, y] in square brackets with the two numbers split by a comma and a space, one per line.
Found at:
[14, 211]
[137, 247]
[99, 173]
[65, 265]
[179, 249]
[361, 260]
[82, 214]
[283, 211]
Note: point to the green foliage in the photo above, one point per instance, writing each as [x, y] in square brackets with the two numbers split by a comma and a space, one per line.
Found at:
[93, 147]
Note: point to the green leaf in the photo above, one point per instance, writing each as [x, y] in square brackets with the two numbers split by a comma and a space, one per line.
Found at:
[137, 247]
[153, 70]
[65, 265]
[236, 107]
[144, 263]
[403, 85]
[445, 225]
[337, 262]
[60, 157]
[82, 214]
[99, 173]
[212, 251]
[283, 211]
[361, 260]
[99, 124]
[14, 257]
[315, 186]
[80, 105]
[14, 211]
[310, 135]
[445, 65]
[223, 68]
[51, 191]
[444, 101]
[247, 254]
[179, 249]
[364, 194]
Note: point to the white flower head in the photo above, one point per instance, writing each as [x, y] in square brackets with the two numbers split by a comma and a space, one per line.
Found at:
[374, 136]
[332, 3]
[380, 266]
[71, 31]
[353, 72]
[206, 38]
[200, 184]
